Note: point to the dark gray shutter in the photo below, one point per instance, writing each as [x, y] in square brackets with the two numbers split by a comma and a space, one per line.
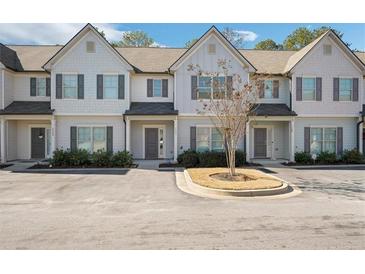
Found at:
[193, 138]
[261, 89]
[298, 83]
[33, 86]
[121, 86]
[109, 139]
[336, 89]
[194, 87]
[318, 89]
[275, 89]
[58, 86]
[73, 138]
[99, 86]
[307, 138]
[229, 86]
[339, 140]
[80, 86]
[355, 89]
[165, 88]
[149, 88]
[48, 86]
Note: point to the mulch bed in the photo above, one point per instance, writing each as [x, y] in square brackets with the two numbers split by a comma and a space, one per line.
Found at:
[5, 165]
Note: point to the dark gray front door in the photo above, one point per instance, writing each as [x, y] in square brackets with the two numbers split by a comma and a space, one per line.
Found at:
[260, 142]
[151, 143]
[38, 143]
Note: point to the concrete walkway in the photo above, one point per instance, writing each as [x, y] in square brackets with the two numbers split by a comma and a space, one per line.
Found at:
[19, 165]
[150, 164]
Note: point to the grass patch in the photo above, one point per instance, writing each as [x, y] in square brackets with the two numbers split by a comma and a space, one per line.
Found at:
[247, 179]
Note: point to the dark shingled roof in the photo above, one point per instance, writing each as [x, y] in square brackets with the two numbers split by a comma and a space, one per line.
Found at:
[273, 110]
[139, 108]
[27, 107]
[9, 58]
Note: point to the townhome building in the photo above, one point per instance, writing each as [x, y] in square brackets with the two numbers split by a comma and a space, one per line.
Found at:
[90, 95]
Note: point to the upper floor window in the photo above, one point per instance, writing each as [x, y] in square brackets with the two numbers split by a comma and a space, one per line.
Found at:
[309, 89]
[209, 86]
[157, 88]
[323, 139]
[41, 87]
[110, 86]
[91, 139]
[268, 91]
[69, 85]
[209, 139]
[345, 89]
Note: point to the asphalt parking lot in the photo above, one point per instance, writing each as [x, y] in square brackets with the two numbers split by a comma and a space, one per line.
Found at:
[143, 209]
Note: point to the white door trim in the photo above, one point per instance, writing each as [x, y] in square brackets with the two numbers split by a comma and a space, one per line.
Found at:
[45, 126]
[159, 127]
[268, 127]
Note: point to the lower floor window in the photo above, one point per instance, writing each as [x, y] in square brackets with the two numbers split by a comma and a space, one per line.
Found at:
[323, 139]
[209, 139]
[91, 138]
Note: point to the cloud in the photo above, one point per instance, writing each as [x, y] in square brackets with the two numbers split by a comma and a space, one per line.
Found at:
[158, 45]
[50, 33]
[247, 35]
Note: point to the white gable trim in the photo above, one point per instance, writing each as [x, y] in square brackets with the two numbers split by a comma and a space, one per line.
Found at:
[340, 45]
[76, 40]
[222, 40]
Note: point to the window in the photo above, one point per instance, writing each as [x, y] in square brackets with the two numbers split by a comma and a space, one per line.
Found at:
[323, 139]
[309, 89]
[211, 86]
[90, 47]
[268, 91]
[345, 89]
[41, 86]
[110, 85]
[70, 86]
[211, 48]
[327, 49]
[91, 138]
[157, 88]
[208, 139]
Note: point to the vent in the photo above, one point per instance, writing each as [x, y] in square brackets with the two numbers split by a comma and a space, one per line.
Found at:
[90, 47]
[211, 48]
[327, 49]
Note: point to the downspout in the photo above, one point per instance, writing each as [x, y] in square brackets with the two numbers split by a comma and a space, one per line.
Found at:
[125, 134]
[358, 132]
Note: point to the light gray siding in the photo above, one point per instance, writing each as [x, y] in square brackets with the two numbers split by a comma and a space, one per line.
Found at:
[284, 92]
[348, 124]
[8, 88]
[21, 88]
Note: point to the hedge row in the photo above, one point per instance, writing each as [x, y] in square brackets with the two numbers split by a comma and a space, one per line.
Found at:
[347, 157]
[82, 158]
[190, 158]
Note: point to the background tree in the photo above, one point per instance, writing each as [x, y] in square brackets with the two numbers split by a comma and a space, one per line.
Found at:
[135, 39]
[268, 44]
[189, 43]
[230, 106]
[298, 39]
[100, 31]
[234, 37]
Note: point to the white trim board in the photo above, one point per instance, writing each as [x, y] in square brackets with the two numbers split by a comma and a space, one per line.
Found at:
[159, 127]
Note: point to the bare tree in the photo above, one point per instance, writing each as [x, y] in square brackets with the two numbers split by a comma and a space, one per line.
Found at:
[232, 102]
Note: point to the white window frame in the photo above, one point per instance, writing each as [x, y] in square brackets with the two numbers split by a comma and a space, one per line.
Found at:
[272, 89]
[63, 86]
[92, 135]
[211, 86]
[37, 86]
[210, 127]
[315, 88]
[339, 88]
[153, 87]
[323, 140]
[106, 75]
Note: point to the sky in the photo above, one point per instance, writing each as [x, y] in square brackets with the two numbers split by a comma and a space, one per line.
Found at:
[169, 35]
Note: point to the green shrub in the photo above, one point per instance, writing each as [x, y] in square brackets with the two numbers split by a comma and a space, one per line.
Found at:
[212, 159]
[101, 158]
[326, 157]
[122, 159]
[352, 157]
[189, 158]
[79, 157]
[303, 157]
[60, 157]
[240, 158]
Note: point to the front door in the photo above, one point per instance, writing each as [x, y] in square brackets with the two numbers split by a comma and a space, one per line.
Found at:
[151, 143]
[260, 142]
[38, 143]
